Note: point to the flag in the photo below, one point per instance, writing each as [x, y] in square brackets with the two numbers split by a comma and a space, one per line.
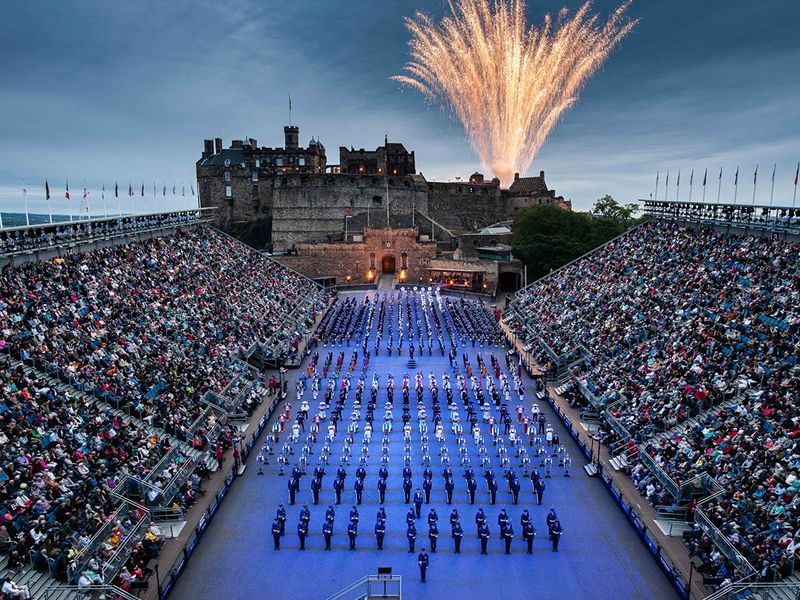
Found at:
[795, 181]
[116, 189]
[103, 190]
[666, 183]
[679, 177]
[705, 178]
[130, 189]
[46, 190]
[24, 190]
[183, 190]
[736, 177]
[164, 191]
[691, 177]
[774, 165]
[66, 193]
[154, 189]
[142, 190]
[173, 189]
[755, 175]
[720, 173]
[796, 173]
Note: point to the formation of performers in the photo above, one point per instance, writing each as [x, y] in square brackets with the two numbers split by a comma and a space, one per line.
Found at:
[419, 319]
[483, 532]
[471, 409]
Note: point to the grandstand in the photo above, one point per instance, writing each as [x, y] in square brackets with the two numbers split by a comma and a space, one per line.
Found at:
[125, 382]
[676, 347]
[145, 360]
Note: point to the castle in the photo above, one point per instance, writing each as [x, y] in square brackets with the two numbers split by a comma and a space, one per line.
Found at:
[277, 198]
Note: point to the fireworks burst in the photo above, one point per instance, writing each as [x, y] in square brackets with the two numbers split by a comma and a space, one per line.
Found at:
[508, 84]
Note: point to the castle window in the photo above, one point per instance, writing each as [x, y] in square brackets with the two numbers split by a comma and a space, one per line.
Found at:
[227, 162]
[371, 261]
[404, 261]
[227, 175]
[279, 162]
[255, 192]
[301, 162]
[228, 191]
[254, 176]
[258, 164]
[377, 199]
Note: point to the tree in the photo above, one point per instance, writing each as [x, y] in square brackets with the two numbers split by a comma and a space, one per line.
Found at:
[548, 237]
[608, 209]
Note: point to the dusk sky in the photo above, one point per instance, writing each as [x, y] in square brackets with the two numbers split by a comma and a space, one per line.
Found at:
[128, 91]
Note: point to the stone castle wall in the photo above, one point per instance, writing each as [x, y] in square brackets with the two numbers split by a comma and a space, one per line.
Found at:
[359, 260]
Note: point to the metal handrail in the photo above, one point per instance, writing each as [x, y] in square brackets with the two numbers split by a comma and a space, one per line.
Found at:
[364, 587]
[723, 543]
[668, 482]
[75, 592]
[757, 590]
[101, 535]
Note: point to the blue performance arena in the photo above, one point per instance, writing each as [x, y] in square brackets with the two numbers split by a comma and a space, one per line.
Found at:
[457, 343]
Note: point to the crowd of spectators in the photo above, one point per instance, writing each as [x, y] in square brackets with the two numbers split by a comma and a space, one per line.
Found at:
[692, 326]
[148, 327]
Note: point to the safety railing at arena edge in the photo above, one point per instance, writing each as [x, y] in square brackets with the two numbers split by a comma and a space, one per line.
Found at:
[774, 218]
[25, 239]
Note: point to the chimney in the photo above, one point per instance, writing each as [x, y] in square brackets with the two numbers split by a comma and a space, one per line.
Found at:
[236, 143]
[253, 144]
[292, 136]
[208, 148]
[516, 176]
[217, 145]
[541, 175]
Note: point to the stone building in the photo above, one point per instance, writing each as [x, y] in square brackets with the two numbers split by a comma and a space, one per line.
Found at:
[406, 256]
[391, 158]
[398, 252]
[279, 198]
[525, 192]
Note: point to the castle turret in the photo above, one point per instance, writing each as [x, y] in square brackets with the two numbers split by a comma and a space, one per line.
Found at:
[292, 135]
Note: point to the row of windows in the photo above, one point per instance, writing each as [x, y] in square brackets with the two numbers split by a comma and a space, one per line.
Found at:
[279, 162]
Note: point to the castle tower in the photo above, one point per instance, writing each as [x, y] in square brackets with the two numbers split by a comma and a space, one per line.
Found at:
[292, 135]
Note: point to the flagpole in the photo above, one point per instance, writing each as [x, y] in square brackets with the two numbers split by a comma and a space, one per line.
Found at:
[705, 181]
[25, 202]
[772, 190]
[105, 204]
[47, 197]
[656, 198]
[794, 197]
[755, 179]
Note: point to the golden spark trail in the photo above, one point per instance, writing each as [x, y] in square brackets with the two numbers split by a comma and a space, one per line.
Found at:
[507, 83]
